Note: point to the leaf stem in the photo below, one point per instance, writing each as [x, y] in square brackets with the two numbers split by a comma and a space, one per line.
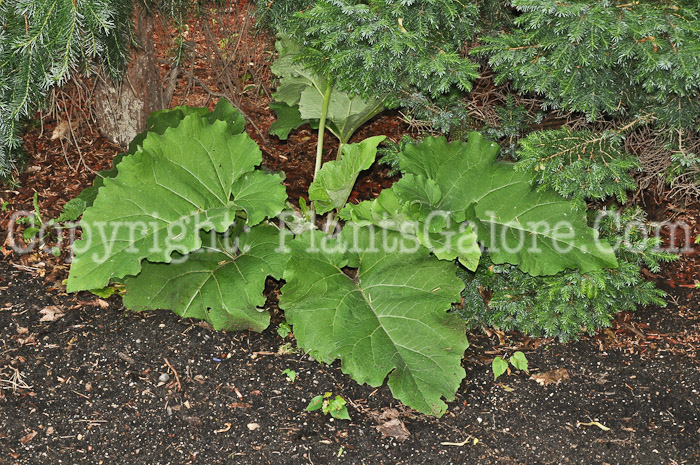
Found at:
[341, 144]
[322, 128]
[331, 222]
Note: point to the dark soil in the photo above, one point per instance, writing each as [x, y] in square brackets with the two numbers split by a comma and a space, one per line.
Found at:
[89, 388]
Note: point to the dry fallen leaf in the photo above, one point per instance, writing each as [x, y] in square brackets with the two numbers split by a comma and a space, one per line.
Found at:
[388, 414]
[63, 129]
[553, 376]
[395, 429]
[390, 424]
[205, 325]
[51, 313]
[95, 303]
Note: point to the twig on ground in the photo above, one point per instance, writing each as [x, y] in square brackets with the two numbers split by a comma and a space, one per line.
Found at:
[177, 378]
[213, 93]
[15, 382]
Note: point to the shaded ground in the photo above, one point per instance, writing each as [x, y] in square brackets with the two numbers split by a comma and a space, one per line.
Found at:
[99, 385]
[85, 389]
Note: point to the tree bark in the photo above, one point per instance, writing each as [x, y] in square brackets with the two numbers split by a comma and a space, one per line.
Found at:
[121, 108]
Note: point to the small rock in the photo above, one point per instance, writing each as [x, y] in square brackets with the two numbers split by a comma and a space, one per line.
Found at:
[50, 431]
[253, 426]
[164, 378]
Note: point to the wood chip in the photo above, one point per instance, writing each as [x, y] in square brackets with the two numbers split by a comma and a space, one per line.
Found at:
[593, 423]
[394, 428]
[227, 427]
[27, 437]
[126, 358]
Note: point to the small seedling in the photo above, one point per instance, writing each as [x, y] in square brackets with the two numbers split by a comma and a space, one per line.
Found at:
[336, 407]
[500, 366]
[290, 374]
[286, 349]
[35, 224]
[284, 329]
[4, 205]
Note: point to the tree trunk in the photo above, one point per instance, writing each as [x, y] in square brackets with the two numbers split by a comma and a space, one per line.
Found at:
[122, 107]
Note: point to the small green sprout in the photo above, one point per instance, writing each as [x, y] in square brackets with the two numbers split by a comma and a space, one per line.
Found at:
[284, 329]
[500, 366]
[336, 407]
[290, 374]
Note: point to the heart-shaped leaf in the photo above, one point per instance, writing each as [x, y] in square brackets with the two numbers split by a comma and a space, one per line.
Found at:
[222, 283]
[303, 90]
[387, 318]
[157, 123]
[541, 232]
[194, 177]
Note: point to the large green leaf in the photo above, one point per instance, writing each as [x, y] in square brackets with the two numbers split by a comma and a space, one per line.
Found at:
[385, 211]
[157, 123]
[334, 182]
[196, 176]
[288, 119]
[222, 283]
[387, 318]
[541, 232]
[449, 242]
[225, 111]
[345, 114]
[456, 241]
[303, 90]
